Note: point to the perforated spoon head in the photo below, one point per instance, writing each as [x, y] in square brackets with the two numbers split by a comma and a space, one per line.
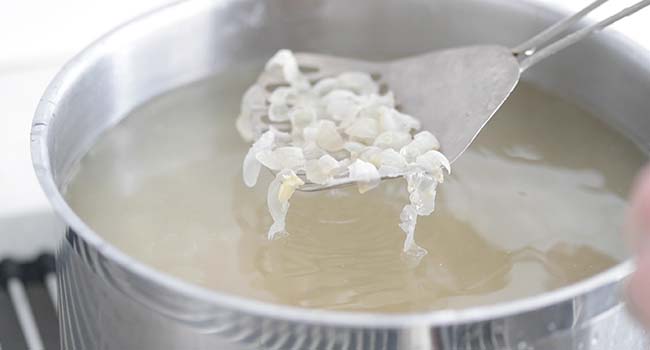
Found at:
[454, 92]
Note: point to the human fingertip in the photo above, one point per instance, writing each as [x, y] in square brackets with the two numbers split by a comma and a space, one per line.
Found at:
[639, 290]
[637, 227]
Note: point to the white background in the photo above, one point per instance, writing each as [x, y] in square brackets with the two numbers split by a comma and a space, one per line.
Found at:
[36, 38]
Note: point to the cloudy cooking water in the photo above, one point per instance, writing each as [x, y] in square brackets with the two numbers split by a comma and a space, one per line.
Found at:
[536, 203]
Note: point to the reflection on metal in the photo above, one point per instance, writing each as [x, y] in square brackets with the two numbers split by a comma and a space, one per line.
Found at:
[25, 314]
[21, 281]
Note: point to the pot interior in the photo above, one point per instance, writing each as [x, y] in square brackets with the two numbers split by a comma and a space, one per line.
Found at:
[190, 43]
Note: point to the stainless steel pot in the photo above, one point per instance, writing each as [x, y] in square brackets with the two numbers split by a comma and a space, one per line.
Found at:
[111, 301]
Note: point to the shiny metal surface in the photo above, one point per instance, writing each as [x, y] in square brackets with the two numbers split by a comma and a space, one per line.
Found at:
[24, 312]
[110, 301]
[546, 43]
[465, 86]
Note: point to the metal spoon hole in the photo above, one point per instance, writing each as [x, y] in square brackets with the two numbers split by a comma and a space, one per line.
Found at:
[306, 69]
[383, 88]
[272, 87]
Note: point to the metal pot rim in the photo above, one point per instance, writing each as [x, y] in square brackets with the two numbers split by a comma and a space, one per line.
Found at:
[74, 68]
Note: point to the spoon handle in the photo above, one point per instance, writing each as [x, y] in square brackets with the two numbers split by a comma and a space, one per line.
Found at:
[547, 42]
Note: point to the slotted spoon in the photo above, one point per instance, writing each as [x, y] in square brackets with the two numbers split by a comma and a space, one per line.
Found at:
[454, 92]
